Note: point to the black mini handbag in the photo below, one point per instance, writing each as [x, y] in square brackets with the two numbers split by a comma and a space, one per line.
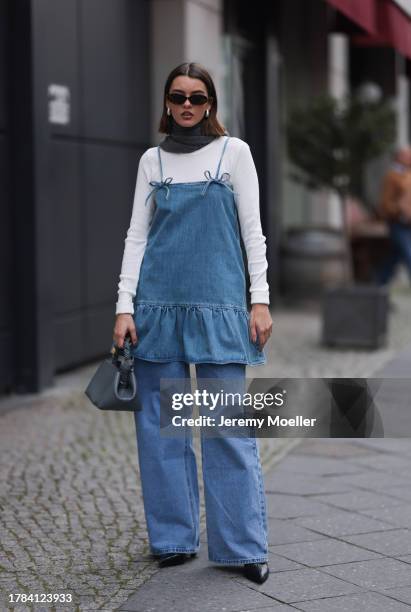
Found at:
[113, 386]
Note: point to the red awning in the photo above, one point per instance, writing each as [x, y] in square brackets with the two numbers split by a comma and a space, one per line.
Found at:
[362, 12]
[394, 26]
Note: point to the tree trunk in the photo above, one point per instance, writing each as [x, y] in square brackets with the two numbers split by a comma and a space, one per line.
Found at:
[349, 274]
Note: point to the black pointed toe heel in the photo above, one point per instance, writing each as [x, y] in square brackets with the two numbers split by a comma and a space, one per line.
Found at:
[257, 572]
[169, 559]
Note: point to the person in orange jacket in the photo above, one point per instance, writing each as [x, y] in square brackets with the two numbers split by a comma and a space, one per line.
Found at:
[395, 208]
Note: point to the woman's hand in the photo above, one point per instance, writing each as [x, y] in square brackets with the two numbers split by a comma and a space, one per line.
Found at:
[124, 323]
[261, 323]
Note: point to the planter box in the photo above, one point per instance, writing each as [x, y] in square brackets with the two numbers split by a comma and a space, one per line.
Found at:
[355, 316]
[312, 259]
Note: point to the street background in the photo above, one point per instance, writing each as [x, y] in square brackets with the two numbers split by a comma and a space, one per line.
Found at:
[81, 86]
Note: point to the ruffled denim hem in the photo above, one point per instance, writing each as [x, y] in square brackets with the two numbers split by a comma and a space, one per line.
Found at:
[195, 333]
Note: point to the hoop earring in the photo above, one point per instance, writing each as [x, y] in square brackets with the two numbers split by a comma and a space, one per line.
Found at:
[207, 114]
[168, 111]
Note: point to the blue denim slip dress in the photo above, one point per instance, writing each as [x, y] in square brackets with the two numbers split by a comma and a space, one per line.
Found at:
[236, 516]
[190, 301]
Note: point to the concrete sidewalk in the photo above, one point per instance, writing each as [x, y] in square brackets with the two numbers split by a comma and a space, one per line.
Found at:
[339, 535]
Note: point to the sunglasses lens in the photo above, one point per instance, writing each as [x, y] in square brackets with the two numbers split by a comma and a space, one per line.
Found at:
[176, 98]
[198, 99]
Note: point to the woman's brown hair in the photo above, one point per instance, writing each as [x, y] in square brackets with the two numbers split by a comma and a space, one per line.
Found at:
[210, 126]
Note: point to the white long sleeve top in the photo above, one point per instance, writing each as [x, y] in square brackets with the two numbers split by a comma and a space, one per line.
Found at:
[190, 167]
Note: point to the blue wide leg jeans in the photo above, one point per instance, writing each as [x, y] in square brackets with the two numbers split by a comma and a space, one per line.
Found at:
[233, 483]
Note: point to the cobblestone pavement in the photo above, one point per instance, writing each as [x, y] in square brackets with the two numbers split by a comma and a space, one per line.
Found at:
[71, 514]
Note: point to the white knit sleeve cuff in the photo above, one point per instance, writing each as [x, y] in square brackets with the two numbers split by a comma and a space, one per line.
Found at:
[260, 297]
[124, 305]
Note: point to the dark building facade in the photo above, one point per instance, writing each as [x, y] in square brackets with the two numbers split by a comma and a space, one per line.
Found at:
[74, 113]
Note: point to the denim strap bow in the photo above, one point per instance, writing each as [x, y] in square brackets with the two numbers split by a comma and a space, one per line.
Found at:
[223, 180]
[160, 185]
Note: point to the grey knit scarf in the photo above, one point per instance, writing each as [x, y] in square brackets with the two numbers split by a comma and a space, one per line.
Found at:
[185, 139]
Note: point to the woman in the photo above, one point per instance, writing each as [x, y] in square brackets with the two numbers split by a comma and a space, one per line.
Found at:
[182, 300]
